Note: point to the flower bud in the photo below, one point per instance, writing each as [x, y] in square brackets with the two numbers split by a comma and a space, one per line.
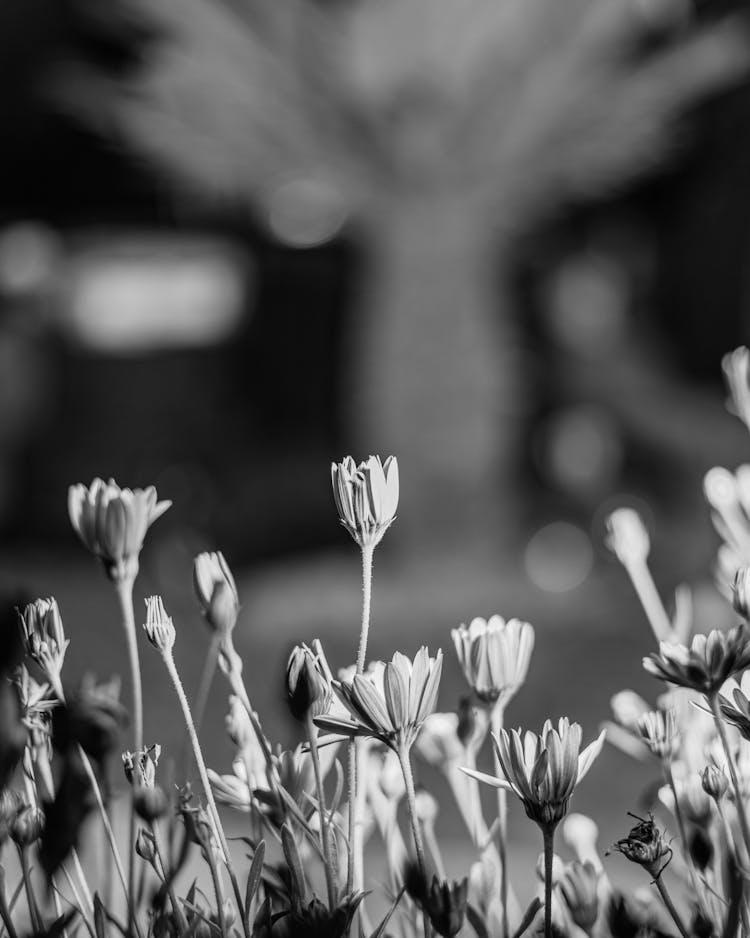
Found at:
[216, 591]
[44, 636]
[158, 625]
[445, 905]
[627, 537]
[715, 782]
[10, 805]
[308, 690]
[27, 826]
[145, 846]
[366, 497]
[150, 803]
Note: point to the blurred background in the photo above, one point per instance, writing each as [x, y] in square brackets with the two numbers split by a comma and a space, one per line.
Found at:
[505, 240]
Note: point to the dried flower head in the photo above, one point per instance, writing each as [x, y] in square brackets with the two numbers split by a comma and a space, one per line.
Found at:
[308, 687]
[392, 711]
[579, 885]
[542, 770]
[112, 522]
[140, 767]
[494, 655]
[658, 729]
[709, 661]
[158, 625]
[366, 497]
[627, 537]
[44, 637]
[216, 591]
[645, 845]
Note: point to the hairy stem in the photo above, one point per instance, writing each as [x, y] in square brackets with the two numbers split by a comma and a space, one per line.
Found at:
[502, 813]
[312, 735]
[364, 631]
[548, 833]
[411, 801]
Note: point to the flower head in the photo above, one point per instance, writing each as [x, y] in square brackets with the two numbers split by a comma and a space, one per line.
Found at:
[112, 522]
[494, 655]
[445, 904]
[714, 782]
[645, 845]
[709, 661]
[542, 770]
[44, 636]
[158, 625]
[393, 711]
[216, 591]
[366, 497]
[308, 688]
[658, 730]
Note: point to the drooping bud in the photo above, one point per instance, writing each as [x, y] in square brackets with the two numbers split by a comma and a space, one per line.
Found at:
[158, 625]
[308, 689]
[216, 591]
[11, 803]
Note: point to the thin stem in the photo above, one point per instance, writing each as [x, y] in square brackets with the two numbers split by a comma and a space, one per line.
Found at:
[713, 700]
[502, 813]
[670, 906]
[699, 894]
[204, 689]
[200, 763]
[548, 833]
[83, 881]
[312, 735]
[176, 907]
[5, 913]
[364, 631]
[124, 591]
[411, 800]
[34, 913]
[218, 891]
[643, 583]
[351, 778]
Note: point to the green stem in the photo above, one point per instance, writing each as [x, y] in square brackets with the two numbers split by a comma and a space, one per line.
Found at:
[34, 913]
[411, 800]
[200, 763]
[713, 700]
[124, 591]
[312, 735]
[669, 904]
[5, 914]
[218, 891]
[204, 689]
[548, 833]
[364, 631]
[176, 907]
[502, 812]
[351, 778]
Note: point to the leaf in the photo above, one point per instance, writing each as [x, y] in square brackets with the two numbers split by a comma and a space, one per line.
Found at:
[294, 862]
[533, 909]
[254, 876]
[477, 922]
[100, 924]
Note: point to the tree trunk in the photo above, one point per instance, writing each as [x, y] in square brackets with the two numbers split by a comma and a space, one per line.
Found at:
[434, 373]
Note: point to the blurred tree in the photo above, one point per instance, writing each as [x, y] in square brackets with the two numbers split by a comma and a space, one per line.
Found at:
[439, 131]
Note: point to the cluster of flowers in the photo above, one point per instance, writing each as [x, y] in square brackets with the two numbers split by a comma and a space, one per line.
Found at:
[307, 814]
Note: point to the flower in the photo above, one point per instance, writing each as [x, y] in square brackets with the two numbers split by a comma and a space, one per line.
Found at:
[715, 782]
[44, 637]
[542, 770]
[658, 729]
[366, 497]
[708, 662]
[646, 845]
[394, 711]
[445, 904]
[579, 885]
[158, 625]
[736, 368]
[308, 688]
[112, 522]
[627, 537]
[216, 591]
[494, 655]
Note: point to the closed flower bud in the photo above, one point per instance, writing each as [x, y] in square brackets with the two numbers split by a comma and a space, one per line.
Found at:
[216, 591]
[445, 905]
[627, 537]
[736, 368]
[145, 846]
[741, 592]
[366, 497]
[158, 625]
[44, 637]
[494, 656]
[140, 767]
[715, 782]
[112, 522]
[150, 803]
[308, 689]
[27, 826]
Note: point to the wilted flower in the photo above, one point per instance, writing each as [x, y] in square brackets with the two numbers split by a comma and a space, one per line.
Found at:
[715, 782]
[627, 537]
[708, 662]
[445, 904]
[647, 846]
[658, 729]
[366, 497]
[216, 591]
[308, 688]
[158, 625]
[112, 522]
[395, 711]
[579, 885]
[736, 368]
[494, 655]
[542, 770]
[44, 636]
